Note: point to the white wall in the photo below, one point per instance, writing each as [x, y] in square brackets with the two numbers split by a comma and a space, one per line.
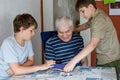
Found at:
[9, 9]
[48, 15]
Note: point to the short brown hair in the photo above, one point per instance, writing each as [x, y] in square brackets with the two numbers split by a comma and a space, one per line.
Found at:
[25, 20]
[84, 3]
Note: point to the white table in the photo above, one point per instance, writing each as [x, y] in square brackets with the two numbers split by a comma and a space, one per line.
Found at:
[79, 73]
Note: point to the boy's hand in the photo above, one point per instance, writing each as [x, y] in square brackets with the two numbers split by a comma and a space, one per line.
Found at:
[50, 62]
[47, 65]
[69, 66]
[10, 72]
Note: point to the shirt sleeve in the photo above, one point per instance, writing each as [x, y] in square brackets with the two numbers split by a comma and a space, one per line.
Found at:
[98, 28]
[9, 53]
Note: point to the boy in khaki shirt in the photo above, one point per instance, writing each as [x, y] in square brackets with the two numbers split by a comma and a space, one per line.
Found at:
[104, 38]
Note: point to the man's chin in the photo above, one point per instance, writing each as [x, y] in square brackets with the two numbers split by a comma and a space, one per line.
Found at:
[66, 40]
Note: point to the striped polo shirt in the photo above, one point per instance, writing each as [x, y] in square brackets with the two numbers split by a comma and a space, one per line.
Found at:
[62, 52]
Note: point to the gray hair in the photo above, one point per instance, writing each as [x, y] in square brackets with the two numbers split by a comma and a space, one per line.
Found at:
[62, 21]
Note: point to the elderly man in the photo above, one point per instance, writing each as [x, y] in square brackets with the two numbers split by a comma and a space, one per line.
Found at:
[64, 46]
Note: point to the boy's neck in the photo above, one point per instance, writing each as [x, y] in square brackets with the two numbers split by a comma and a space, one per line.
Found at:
[94, 11]
[19, 39]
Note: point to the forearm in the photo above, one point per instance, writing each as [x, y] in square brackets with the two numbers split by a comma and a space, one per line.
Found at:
[82, 54]
[29, 62]
[81, 27]
[18, 69]
[87, 50]
[24, 70]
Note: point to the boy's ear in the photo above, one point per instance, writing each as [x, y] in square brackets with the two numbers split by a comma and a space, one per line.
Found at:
[90, 6]
[22, 28]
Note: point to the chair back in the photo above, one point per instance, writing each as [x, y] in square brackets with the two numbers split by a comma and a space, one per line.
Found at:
[46, 35]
